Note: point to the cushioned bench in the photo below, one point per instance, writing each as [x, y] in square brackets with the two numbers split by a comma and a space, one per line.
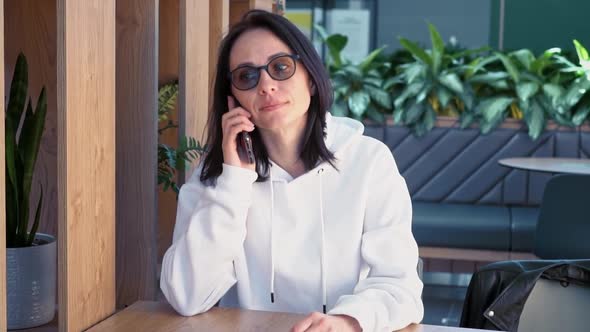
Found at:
[474, 226]
[462, 198]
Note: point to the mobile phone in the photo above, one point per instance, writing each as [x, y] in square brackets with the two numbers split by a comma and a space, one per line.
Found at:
[246, 142]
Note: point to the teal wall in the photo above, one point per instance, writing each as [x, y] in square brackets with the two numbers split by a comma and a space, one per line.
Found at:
[542, 24]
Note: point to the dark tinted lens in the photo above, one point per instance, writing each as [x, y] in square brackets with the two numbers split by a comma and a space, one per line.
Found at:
[245, 78]
[281, 68]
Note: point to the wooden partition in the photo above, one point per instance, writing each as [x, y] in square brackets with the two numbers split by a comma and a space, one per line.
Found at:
[97, 164]
[86, 161]
[2, 186]
[136, 144]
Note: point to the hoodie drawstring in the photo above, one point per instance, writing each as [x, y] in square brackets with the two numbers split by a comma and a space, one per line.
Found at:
[272, 258]
[323, 246]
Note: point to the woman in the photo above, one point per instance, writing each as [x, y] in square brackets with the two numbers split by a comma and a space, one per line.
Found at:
[320, 221]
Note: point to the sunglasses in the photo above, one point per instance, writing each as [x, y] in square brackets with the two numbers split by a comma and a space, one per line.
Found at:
[280, 68]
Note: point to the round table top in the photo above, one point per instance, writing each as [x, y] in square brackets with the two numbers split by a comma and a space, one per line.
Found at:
[552, 164]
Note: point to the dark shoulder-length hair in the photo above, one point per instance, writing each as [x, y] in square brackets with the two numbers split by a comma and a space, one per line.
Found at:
[314, 148]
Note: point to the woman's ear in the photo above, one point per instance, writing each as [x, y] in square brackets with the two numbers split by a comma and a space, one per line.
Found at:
[312, 88]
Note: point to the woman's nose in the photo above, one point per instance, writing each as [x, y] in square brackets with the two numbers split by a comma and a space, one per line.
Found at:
[266, 84]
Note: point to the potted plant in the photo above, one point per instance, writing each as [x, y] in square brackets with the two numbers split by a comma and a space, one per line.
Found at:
[30, 256]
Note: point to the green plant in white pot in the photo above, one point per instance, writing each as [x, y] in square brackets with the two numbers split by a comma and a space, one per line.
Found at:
[30, 256]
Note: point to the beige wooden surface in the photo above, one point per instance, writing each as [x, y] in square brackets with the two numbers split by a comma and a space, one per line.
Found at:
[218, 27]
[30, 27]
[2, 190]
[472, 254]
[136, 145]
[86, 161]
[168, 72]
[194, 83]
[159, 316]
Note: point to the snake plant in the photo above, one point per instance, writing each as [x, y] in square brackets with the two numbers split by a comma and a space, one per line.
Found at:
[23, 132]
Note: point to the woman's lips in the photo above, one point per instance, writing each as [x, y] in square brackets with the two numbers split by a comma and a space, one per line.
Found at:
[271, 107]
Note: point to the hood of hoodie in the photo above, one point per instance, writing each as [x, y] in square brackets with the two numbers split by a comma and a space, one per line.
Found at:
[341, 132]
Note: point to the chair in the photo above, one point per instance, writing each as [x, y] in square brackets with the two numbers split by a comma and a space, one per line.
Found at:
[527, 296]
[564, 219]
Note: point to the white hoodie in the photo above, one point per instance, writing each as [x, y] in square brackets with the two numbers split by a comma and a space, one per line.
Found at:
[310, 241]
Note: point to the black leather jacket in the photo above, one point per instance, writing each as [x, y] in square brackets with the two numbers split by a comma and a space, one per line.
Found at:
[498, 291]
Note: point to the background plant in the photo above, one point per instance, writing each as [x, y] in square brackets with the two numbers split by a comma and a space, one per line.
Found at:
[359, 90]
[529, 87]
[23, 132]
[170, 159]
[432, 84]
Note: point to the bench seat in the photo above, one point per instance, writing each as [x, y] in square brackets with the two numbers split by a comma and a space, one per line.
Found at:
[472, 226]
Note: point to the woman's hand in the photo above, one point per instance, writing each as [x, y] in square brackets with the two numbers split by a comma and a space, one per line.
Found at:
[232, 123]
[318, 322]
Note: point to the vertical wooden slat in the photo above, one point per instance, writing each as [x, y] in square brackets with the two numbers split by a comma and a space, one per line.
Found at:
[86, 161]
[2, 186]
[168, 44]
[219, 13]
[193, 98]
[137, 139]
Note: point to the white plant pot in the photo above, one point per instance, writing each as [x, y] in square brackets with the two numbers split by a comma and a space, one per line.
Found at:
[31, 274]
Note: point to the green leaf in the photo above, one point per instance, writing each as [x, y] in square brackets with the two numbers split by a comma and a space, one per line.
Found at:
[18, 92]
[409, 92]
[544, 60]
[339, 109]
[479, 63]
[489, 77]
[366, 63]
[536, 120]
[33, 231]
[375, 82]
[429, 118]
[438, 48]
[321, 31]
[525, 90]
[32, 132]
[414, 113]
[525, 57]
[467, 118]
[416, 50]
[380, 97]
[414, 72]
[390, 82]
[375, 115]
[358, 102]
[452, 82]
[443, 96]
[336, 44]
[576, 91]
[581, 115]
[581, 51]
[510, 67]
[554, 93]
[167, 95]
[493, 108]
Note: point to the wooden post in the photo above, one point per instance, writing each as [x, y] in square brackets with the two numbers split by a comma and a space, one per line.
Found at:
[136, 143]
[2, 187]
[193, 101]
[86, 161]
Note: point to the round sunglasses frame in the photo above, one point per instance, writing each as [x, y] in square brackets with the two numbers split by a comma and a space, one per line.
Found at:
[294, 57]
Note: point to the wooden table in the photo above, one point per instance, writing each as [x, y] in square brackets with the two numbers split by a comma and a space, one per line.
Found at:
[159, 316]
[552, 165]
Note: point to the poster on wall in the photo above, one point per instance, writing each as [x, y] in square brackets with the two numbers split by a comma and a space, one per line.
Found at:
[355, 24]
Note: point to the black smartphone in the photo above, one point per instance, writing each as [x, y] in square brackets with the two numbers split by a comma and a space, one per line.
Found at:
[246, 142]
